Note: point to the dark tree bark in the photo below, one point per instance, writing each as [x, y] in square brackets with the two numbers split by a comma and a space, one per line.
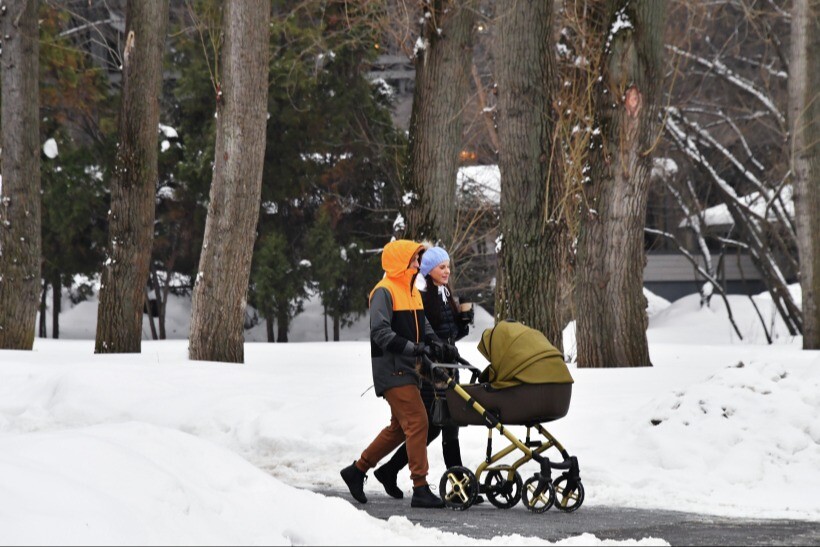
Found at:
[220, 292]
[149, 311]
[804, 122]
[56, 305]
[42, 331]
[161, 295]
[442, 86]
[282, 326]
[20, 240]
[269, 328]
[133, 186]
[532, 257]
[611, 307]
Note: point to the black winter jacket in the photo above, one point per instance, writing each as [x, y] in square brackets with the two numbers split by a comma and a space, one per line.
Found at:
[444, 318]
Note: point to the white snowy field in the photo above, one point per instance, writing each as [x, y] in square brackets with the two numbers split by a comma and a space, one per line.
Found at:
[154, 449]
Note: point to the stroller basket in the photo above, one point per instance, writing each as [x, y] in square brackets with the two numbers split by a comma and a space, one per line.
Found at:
[525, 404]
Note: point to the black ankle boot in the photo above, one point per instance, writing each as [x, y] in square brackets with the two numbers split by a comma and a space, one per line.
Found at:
[423, 497]
[388, 480]
[354, 479]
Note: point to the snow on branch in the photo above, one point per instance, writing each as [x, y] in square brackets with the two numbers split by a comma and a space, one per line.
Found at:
[750, 222]
[706, 275]
[776, 205]
[730, 76]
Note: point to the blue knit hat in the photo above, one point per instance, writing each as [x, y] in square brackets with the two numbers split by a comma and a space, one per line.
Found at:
[431, 258]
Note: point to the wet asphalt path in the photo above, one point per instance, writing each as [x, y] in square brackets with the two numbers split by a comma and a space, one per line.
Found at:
[486, 521]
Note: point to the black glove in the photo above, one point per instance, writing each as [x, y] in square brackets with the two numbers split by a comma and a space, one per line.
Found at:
[467, 317]
[450, 353]
[443, 352]
[419, 349]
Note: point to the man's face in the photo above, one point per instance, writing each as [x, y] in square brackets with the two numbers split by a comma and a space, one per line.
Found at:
[414, 262]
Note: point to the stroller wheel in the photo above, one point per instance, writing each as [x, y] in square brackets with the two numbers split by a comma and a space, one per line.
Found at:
[501, 492]
[459, 488]
[535, 501]
[569, 496]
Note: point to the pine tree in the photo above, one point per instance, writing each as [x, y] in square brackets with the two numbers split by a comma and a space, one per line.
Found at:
[278, 287]
[77, 114]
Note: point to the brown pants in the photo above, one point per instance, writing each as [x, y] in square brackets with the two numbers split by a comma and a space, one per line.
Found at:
[408, 424]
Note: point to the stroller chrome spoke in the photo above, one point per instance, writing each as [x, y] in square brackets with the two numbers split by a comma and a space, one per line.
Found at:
[539, 494]
[459, 488]
[571, 494]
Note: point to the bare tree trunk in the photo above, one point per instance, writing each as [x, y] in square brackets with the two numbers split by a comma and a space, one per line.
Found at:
[133, 186]
[337, 329]
[56, 305]
[150, 313]
[442, 84]
[611, 307]
[42, 331]
[269, 327]
[532, 257]
[220, 291]
[282, 326]
[20, 240]
[804, 121]
[161, 296]
[481, 95]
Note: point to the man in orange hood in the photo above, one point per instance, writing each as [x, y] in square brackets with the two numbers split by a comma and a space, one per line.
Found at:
[398, 332]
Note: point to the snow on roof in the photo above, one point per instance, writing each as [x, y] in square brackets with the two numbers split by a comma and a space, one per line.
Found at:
[718, 215]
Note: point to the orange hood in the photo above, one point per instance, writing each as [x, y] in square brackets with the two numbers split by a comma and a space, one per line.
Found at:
[396, 257]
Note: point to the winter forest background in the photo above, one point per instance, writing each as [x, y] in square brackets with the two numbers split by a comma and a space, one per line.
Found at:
[255, 155]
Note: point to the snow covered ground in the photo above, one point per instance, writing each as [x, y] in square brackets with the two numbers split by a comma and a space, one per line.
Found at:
[155, 449]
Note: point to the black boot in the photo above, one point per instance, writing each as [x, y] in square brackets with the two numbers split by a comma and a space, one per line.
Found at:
[423, 497]
[388, 480]
[354, 479]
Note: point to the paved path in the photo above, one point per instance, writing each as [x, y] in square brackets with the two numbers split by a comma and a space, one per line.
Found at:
[485, 522]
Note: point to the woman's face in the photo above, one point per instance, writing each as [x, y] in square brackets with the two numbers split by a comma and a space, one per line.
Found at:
[441, 273]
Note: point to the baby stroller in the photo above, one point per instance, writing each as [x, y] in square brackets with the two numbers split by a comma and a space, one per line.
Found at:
[526, 384]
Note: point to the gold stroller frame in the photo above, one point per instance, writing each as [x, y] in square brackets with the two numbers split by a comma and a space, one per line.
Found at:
[503, 484]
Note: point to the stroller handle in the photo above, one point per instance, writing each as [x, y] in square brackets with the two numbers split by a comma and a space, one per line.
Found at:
[440, 375]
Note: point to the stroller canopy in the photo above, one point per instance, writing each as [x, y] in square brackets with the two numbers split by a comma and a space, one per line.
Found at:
[520, 355]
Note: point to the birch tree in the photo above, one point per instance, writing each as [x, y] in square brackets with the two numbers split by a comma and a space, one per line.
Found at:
[442, 57]
[804, 129]
[20, 244]
[533, 242]
[134, 182]
[611, 307]
[220, 290]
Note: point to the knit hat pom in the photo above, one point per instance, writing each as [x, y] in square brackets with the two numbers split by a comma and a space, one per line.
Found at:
[431, 258]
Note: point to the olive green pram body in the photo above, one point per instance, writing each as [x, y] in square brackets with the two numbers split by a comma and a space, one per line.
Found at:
[527, 383]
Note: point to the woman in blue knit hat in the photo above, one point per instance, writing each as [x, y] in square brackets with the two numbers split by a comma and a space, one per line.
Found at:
[450, 325]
